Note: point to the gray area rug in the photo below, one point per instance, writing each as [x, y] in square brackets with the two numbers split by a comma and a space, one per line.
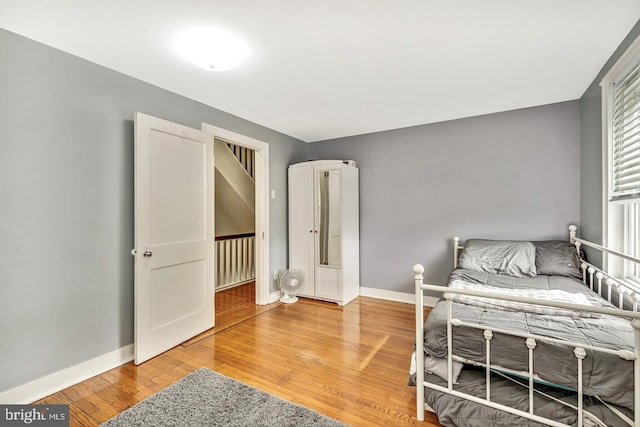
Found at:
[207, 398]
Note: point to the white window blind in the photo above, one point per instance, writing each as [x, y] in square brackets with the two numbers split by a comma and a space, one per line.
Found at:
[625, 148]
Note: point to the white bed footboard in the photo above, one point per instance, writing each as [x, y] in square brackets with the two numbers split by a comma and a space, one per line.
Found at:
[596, 279]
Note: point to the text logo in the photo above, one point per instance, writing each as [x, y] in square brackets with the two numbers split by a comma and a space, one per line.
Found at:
[34, 415]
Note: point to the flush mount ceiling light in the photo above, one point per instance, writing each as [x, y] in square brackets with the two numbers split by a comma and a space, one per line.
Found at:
[211, 48]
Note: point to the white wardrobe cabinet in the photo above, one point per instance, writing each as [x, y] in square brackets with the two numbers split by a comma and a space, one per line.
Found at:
[324, 238]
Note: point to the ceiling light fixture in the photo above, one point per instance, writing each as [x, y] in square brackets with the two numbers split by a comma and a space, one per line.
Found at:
[212, 49]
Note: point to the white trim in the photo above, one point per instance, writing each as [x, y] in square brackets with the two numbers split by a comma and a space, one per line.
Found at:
[52, 383]
[262, 205]
[625, 63]
[396, 296]
[606, 131]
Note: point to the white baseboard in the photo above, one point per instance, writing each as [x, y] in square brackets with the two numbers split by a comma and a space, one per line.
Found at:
[377, 293]
[52, 383]
[395, 296]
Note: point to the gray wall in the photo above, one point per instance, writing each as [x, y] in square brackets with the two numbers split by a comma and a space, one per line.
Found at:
[512, 175]
[66, 210]
[591, 206]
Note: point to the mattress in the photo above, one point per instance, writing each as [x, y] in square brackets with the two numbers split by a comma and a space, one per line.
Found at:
[604, 375]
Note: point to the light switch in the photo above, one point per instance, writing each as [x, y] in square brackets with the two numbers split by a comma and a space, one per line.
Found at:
[273, 194]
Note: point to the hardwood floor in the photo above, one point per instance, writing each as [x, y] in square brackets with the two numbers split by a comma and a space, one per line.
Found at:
[233, 306]
[349, 363]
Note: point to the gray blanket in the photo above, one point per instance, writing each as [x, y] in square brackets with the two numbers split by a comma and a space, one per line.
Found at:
[457, 412]
[605, 375]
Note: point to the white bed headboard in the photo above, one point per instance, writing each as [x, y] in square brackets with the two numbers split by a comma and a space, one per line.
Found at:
[457, 247]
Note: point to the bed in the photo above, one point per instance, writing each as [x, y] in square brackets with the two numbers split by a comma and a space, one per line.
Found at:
[523, 336]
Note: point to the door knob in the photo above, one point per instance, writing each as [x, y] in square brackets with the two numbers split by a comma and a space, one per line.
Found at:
[147, 254]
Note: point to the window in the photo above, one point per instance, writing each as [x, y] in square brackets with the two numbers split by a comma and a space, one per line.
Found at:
[621, 98]
[625, 140]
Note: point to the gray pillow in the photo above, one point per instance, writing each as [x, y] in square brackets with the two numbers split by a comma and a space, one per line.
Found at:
[514, 258]
[557, 258]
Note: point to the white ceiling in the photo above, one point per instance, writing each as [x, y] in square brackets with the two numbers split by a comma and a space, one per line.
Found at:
[330, 68]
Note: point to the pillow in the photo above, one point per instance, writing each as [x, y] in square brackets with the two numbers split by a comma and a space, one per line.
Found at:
[513, 258]
[557, 258]
[437, 366]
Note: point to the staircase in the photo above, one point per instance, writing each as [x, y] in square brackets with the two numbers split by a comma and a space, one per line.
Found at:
[245, 156]
[235, 214]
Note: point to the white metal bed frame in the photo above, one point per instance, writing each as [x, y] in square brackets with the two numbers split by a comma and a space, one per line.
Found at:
[593, 277]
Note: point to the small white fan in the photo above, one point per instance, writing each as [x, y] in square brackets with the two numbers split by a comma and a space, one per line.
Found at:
[289, 281]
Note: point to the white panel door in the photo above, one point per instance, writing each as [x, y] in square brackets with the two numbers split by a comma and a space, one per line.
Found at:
[302, 229]
[174, 235]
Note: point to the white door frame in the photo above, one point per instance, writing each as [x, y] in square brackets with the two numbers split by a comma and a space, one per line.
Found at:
[261, 162]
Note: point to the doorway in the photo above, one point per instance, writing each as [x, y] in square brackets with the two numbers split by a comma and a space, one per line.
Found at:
[261, 170]
[234, 232]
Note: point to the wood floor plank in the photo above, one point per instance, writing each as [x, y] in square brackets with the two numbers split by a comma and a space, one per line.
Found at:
[350, 363]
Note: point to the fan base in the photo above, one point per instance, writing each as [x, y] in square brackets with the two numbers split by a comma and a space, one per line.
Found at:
[287, 299]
